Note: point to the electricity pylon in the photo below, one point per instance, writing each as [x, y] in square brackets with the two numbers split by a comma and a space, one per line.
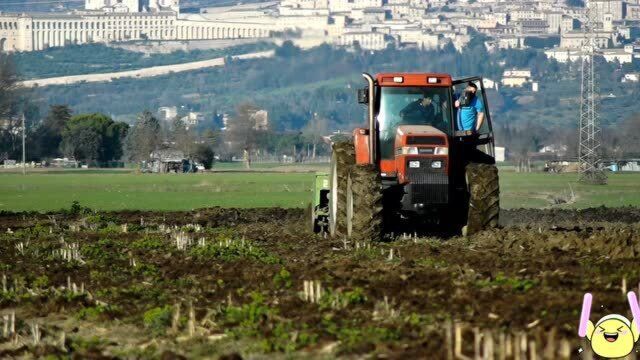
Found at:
[589, 132]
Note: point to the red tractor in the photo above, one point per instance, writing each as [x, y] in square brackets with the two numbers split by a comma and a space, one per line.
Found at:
[415, 164]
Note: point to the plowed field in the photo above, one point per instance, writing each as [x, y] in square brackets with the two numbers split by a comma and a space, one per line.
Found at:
[255, 283]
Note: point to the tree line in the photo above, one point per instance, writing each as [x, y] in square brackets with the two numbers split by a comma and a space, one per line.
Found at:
[97, 139]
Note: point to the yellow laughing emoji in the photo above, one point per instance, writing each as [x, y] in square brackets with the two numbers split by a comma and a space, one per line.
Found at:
[613, 336]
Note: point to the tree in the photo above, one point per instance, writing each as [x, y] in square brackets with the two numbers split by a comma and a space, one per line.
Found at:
[143, 138]
[313, 132]
[242, 133]
[9, 101]
[183, 139]
[81, 143]
[93, 137]
[47, 137]
[8, 86]
[287, 50]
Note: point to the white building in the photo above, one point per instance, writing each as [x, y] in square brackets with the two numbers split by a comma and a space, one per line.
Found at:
[366, 40]
[604, 7]
[631, 77]
[575, 39]
[29, 32]
[192, 119]
[516, 77]
[261, 118]
[167, 113]
[563, 55]
[113, 5]
[619, 55]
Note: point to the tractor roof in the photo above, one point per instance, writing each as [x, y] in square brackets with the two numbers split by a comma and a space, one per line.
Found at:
[414, 79]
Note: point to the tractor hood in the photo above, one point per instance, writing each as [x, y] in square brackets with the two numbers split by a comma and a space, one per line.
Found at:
[419, 135]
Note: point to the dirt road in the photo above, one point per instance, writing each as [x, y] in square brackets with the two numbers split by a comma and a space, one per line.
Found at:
[140, 73]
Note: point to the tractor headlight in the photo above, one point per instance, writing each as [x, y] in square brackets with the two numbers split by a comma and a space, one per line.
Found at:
[441, 151]
[436, 164]
[409, 150]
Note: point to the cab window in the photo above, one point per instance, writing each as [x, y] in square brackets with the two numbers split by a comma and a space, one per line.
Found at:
[411, 106]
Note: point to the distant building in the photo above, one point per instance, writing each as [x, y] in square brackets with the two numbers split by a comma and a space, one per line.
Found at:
[620, 55]
[500, 153]
[631, 77]
[554, 21]
[225, 122]
[532, 26]
[132, 5]
[167, 113]
[365, 39]
[117, 6]
[261, 118]
[568, 24]
[563, 55]
[575, 39]
[554, 149]
[5, 124]
[115, 22]
[192, 119]
[169, 160]
[603, 7]
[489, 84]
[516, 78]
[633, 11]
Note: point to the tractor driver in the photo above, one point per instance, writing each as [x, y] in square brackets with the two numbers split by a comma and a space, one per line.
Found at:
[470, 109]
[421, 111]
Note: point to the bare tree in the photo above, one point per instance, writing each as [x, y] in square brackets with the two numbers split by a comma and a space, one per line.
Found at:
[183, 138]
[241, 133]
[313, 132]
[143, 138]
[629, 135]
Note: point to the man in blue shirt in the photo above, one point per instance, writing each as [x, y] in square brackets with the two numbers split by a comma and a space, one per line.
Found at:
[470, 109]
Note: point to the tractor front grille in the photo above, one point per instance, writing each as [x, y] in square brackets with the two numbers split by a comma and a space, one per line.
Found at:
[425, 140]
[428, 186]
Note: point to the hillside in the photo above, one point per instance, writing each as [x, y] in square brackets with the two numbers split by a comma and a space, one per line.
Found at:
[98, 58]
[295, 83]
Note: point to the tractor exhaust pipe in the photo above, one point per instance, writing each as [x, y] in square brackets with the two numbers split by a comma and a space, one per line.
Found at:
[372, 122]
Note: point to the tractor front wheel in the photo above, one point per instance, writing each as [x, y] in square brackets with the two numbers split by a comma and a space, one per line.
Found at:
[364, 204]
[484, 197]
[342, 159]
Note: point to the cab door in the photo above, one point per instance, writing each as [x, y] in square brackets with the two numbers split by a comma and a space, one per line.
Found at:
[484, 137]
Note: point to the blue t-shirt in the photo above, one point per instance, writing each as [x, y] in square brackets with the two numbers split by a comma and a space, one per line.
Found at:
[467, 115]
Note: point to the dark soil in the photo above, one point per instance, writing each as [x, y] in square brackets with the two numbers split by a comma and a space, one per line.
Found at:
[247, 282]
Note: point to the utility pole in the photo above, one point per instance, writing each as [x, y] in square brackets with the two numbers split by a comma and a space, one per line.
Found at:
[589, 127]
[24, 136]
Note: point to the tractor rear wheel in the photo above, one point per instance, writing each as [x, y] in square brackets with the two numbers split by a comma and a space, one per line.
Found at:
[364, 204]
[484, 197]
[342, 159]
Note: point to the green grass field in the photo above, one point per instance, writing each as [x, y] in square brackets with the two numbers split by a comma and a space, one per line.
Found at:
[114, 190]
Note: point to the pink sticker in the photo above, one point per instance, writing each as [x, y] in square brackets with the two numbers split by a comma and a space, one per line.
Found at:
[586, 311]
[635, 309]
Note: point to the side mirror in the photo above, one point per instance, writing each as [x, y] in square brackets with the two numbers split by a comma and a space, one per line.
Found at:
[363, 96]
